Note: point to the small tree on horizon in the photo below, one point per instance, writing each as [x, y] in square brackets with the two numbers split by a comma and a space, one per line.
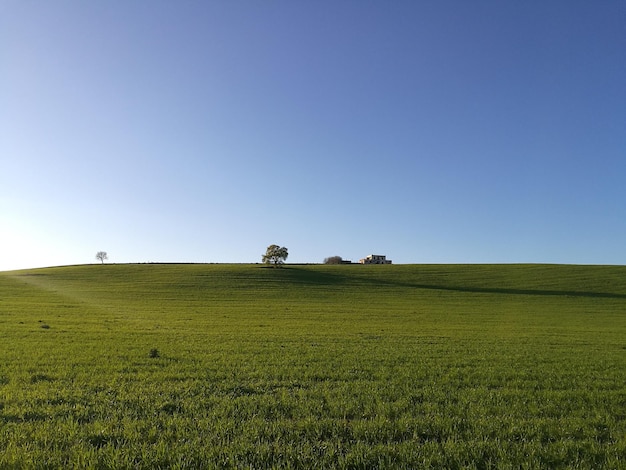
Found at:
[333, 260]
[101, 256]
[275, 255]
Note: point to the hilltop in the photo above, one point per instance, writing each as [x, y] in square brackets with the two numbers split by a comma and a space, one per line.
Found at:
[526, 279]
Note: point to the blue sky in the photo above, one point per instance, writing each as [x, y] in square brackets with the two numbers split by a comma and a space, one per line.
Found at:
[204, 131]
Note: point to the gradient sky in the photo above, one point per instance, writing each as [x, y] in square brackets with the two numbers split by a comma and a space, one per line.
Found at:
[204, 131]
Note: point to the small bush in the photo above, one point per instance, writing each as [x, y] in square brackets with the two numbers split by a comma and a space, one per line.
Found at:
[154, 352]
[171, 408]
[40, 378]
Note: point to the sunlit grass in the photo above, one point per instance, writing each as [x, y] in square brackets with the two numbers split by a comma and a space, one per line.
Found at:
[313, 366]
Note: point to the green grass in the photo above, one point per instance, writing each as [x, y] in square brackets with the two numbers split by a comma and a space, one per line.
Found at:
[243, 366]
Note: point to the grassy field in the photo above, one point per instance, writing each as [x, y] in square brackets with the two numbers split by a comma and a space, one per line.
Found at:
[243, 366]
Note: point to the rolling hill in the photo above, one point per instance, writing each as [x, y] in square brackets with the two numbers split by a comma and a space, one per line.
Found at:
[313, 366]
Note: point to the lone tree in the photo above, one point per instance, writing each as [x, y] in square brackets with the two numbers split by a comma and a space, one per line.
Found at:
[101, 256]
[275, 255]
[333, 260]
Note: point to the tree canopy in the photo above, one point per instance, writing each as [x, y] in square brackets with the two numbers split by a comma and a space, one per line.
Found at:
[275, 255]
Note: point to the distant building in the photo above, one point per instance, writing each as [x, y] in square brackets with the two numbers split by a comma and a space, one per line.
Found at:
[375, 259]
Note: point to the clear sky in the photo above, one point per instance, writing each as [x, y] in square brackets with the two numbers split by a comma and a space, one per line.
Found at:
[204, 131]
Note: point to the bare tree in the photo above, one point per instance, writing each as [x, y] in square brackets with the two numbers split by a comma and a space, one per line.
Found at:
[275, 255]
[101, 256]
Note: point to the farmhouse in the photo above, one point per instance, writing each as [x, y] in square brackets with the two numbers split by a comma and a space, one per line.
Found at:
[375, 259]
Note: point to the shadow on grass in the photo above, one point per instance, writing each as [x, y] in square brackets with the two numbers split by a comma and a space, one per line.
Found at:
[294, 273]
[489, 290]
